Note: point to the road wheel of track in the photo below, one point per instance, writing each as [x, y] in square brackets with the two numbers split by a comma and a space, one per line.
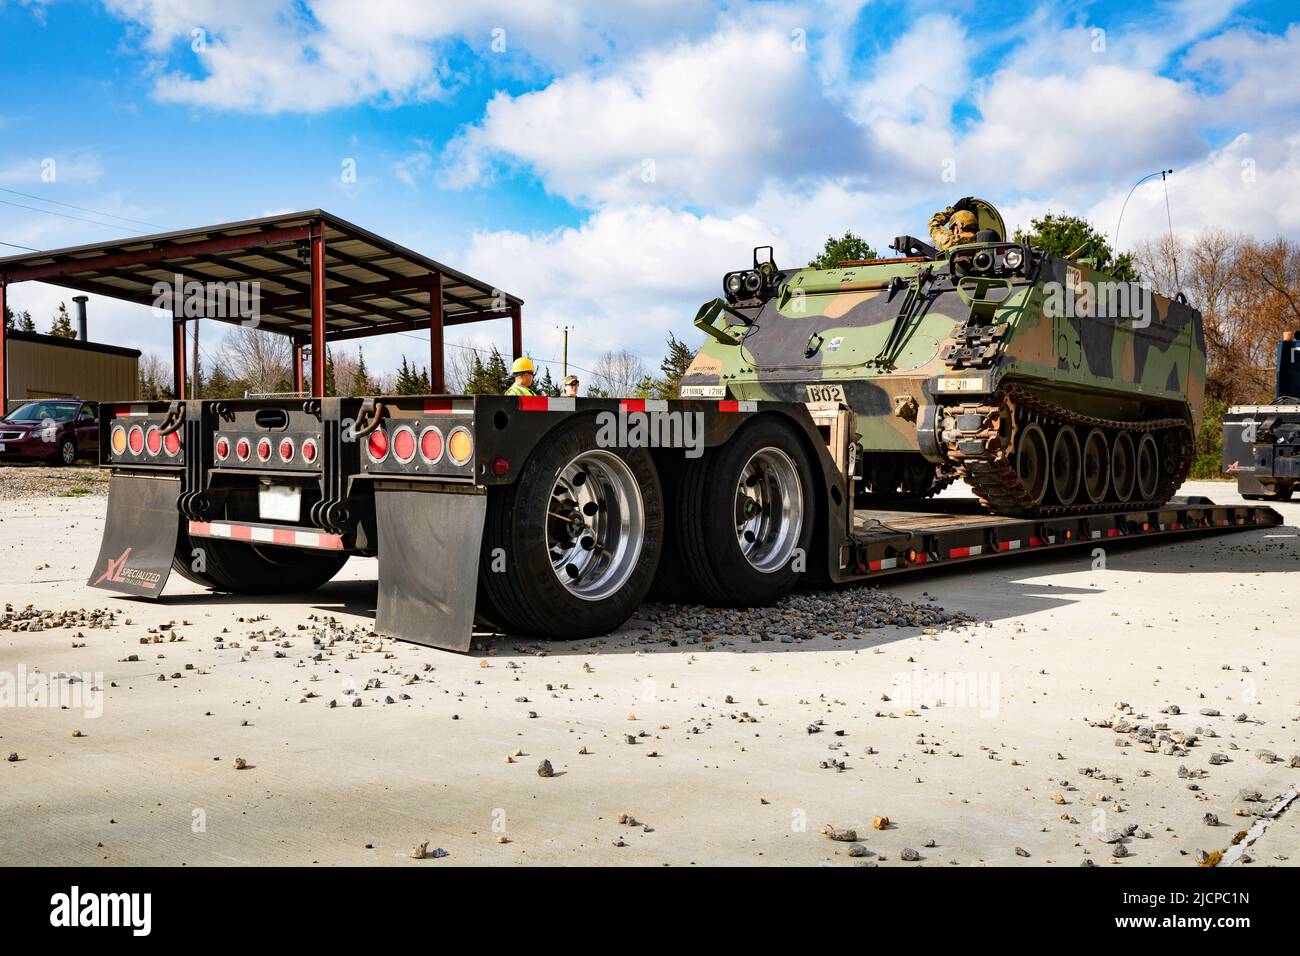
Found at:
[1123, 467]
[744, 524]
[1096, 465]
[1148, 467]
[1067, 471]
[1033, 465]
[581, 532]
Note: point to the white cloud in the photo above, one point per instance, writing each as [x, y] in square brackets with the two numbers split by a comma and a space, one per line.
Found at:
[705, 122]
[278, 55]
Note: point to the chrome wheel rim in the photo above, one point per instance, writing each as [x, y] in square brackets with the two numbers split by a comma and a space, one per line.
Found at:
[595, 525]
[69, 452]
[768, 509]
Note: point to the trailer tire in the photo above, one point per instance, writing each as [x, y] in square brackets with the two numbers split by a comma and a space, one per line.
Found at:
[709, 530]
[527, 544]
[183, 563]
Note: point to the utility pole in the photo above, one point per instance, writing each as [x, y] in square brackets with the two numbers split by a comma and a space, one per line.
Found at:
[565, 329]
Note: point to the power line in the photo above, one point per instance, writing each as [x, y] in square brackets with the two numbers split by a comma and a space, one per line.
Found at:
[14, 245]
[64, 215]
[68, 205]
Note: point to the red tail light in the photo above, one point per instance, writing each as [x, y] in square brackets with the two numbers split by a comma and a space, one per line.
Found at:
[172, 443]
[153, 440]
[500, 466]
[404, 445]
[377, 445]
[309, 450]
[264, 449]
[243, 449]
[286, 449]
[431, 445]
[223, 449]
[135, 439]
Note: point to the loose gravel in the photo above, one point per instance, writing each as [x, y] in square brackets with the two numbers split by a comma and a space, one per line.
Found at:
[19, 482]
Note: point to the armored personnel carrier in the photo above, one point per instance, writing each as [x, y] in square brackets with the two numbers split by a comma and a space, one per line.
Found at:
[1048, 385]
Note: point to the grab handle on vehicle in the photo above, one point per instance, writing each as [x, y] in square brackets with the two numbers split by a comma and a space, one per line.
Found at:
[707, 318]
[174, 420]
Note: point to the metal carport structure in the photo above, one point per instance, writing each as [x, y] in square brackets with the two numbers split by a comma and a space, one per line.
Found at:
[319, 279]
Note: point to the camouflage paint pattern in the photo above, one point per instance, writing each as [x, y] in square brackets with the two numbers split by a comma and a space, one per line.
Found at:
[826, 327]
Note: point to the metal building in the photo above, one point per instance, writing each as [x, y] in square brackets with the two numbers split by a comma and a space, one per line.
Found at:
[47, 366]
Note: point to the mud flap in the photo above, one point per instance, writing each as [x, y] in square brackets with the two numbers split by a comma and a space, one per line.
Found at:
[135, 555]
[429, 544]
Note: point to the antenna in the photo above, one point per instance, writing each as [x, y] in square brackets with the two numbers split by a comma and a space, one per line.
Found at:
[1173, 249]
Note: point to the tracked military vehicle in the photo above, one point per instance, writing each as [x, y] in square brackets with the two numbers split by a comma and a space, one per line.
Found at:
[1045, 383]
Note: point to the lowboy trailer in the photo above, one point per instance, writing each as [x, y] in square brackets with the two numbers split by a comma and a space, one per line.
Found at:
[548, 516]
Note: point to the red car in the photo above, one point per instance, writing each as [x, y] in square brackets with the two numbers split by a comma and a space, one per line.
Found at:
[57, 430]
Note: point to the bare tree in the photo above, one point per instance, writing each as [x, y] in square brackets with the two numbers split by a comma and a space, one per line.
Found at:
[458, 364]
[155, 376]
[262, 360]
[618, 374]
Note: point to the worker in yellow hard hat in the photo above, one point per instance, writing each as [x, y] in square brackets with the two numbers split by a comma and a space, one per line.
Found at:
[523, 371]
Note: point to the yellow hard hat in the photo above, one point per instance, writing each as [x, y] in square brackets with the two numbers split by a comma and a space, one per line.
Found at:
[524, 364]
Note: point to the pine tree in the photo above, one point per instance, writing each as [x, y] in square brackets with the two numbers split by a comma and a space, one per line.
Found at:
[331, 386]
[679, 357]
[497, 375]
[421, 382]
[61, 325]
[361, 379]
[546, 385]
[27, 324]
[406, 384]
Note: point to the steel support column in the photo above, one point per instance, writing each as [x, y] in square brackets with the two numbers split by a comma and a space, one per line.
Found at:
[178, 357]
[297, 366]
[317, 310]
[516, 331]
[4, 352]
[437, 374]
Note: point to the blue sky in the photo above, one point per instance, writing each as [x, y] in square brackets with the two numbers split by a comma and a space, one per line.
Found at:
[608, 162]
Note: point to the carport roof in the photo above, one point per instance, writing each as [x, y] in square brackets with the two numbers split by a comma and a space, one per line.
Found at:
[372, 285]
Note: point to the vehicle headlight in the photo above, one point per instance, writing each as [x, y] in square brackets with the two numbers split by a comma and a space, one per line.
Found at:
[734, 284]
[1013, 258]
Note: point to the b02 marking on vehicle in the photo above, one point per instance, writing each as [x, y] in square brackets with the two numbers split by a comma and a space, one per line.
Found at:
[825, 393]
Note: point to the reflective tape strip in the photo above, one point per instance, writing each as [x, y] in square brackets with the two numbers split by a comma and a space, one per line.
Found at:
[446, 406]
[643, 405]
[1094, 534]
[884, 564]
[1008, 545]
[289, 537]
[130, 411]
[541, 403]
[966, 552]
[1113, 533]
[729, 405]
